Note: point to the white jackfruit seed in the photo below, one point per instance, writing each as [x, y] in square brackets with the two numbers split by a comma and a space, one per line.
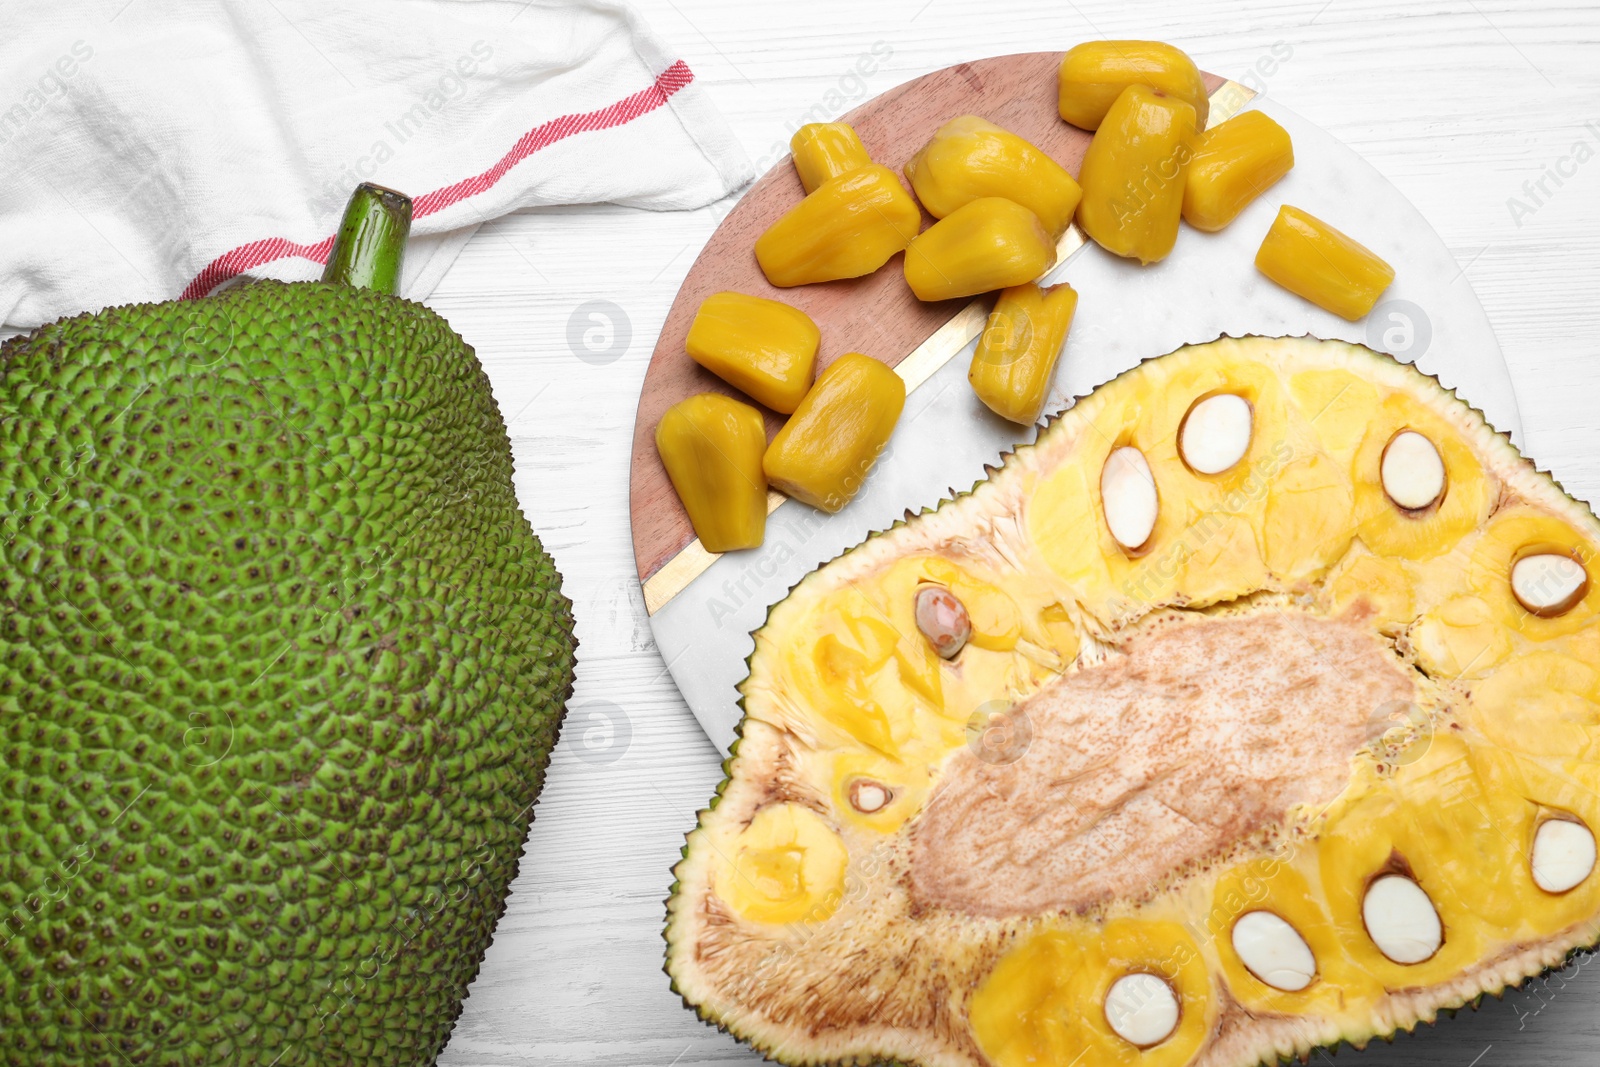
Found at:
[1216, 433]
[1274, 951]
[1142, 1009]
[1548, 583]
[1412, 471]
[1401, 919]
[1128, 494]
[1563, 855]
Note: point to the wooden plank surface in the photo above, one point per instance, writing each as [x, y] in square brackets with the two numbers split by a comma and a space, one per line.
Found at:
[1457, 102]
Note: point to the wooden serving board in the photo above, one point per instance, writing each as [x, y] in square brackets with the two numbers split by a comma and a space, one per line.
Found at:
[877, 314]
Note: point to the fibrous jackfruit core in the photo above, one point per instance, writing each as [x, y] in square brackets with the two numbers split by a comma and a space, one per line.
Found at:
[1201, 734]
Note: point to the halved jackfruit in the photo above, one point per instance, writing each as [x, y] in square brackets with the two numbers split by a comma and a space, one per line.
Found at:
[1272, 755]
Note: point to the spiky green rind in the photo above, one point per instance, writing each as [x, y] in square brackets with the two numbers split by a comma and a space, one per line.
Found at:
[281, 664]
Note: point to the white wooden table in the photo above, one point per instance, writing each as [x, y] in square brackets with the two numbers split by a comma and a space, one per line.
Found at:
[1460, 104]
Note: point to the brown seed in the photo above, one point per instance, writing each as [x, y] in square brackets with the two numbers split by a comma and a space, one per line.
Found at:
[943, 620]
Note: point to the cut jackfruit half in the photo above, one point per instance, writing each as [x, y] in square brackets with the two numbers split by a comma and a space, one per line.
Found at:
[1202, 732]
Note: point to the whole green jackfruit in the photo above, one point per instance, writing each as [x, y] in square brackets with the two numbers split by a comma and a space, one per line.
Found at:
[281, 665]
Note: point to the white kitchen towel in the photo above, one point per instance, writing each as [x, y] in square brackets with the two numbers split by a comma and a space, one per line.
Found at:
[157, 148]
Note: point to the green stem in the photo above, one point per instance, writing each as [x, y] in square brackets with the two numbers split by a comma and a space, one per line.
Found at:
[371, 245]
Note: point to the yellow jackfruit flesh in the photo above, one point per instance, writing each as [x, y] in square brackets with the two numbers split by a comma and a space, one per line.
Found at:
[1016, 354]
[824, 150]
[849, 225]
[1095, 73]
[1213, 727]
[1134, 171]
[1313, 260]
[970, 157]
[1234, 163]
[985, 244]
[712, 446]
[761, 347]
[824, 452]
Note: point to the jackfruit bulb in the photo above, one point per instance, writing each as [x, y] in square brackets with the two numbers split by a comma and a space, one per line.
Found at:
[281, 664]
[1255, 707]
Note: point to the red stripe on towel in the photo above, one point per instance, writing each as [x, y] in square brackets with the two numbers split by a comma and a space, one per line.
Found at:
[624, 111]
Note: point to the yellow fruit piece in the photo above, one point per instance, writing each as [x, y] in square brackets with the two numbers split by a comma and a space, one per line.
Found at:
[1516, 532]
[1044, 1001]
[1522, 794]
[1233, 164]
[1391, 530]
[1016, 355]
[889, 616]
[825, 451]
[1163, 949]
[1216, 526]
[1337, 406]
[1460, 639]
[1095, 73]
[1273, 884]
[1063, 635]
[1223, 559]
[864, 676]
[1024, 1012]
[849, 226]
[764, 347]
[987, 243]
[1373, 584]
[1318, 263]
[970, 157]
[1174, 393]
[1542, 704]
[849, 660]
[1378, 828]
[1452, 815]
[1133, 174]
[712, 447]
[824, 150]
[787, 866]
[1066, 523]
[1309, 519]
